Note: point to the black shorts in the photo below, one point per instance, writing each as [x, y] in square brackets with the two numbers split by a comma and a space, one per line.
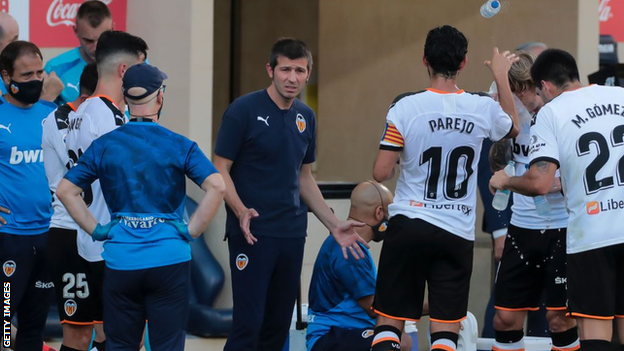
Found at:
[596, 283]
[416, 252]
[345, 340]
[78, 283]
[533, 262]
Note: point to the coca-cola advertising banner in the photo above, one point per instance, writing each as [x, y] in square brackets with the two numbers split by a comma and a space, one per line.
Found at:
[611, 16]
[49, 23]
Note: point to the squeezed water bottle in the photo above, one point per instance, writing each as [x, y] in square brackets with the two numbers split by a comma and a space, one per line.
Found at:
[490, 8]
[501, 198]
[542, 206]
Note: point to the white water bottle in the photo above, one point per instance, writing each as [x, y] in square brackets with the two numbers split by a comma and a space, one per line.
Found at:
[501, 198]
[542, 206]
[490, 8]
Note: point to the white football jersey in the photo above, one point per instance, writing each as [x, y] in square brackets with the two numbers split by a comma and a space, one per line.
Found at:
[582, 131]
[95, 117]
[524, 214]
[440, 136]
[56, 161]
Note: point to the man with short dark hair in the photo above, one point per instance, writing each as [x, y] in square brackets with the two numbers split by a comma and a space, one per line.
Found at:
[78, 282]
[580, 131]
[147, 248]
[264, 150]
[93, 19]
[24, 192]
[436, 134]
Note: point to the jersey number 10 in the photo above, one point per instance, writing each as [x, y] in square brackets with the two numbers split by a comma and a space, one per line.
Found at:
[452, 190]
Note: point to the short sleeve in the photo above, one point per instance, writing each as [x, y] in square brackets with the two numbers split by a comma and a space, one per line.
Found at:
[85, 172]
[500, 122]
[543, 139]
[231, 136]
[392, 138]
[357, 276]
[198, 167]
[310, 155]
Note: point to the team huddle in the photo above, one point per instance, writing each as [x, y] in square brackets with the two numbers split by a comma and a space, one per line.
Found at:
[93, 189]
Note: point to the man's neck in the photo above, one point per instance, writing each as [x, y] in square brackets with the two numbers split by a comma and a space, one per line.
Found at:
[112, 88]
[13, 101]
[84, 55]
[570, 86]
[278, 99]
[448, 85]
[365, 232]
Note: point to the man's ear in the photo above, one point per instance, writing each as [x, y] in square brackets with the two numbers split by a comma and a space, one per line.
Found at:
[270, 70]
[379, 213]
[5, 77]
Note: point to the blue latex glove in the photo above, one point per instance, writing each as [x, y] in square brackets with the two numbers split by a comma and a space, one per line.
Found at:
[182, 229]
[100, 233]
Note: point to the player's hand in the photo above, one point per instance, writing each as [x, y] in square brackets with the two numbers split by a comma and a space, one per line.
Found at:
[182, 229]
[2, 220]
[100, 233]
[52, 87]
[498, 181]
[245, 220]
[499, 245]
[345, 235]
[501, 62]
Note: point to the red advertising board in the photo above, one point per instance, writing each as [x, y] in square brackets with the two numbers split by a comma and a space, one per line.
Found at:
[611, 16]
[51, 21]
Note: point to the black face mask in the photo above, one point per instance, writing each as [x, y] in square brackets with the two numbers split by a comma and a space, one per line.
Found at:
[380, 230]
[26, 92]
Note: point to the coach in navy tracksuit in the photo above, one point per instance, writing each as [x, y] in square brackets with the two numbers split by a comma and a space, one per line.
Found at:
[264, 151]
[142, 168]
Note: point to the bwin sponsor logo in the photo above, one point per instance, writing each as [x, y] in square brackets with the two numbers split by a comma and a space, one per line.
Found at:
[26, 156]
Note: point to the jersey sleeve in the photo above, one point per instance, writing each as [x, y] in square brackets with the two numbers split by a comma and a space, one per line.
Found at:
[53, 145]
[392, 138]
[310, 155]
[198, 167]
[500, 122]
[357, 276]
[85, 172]
[543, 139]
[232, 132]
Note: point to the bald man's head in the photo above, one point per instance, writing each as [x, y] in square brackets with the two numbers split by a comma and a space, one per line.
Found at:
[9, 30]
[368, 195]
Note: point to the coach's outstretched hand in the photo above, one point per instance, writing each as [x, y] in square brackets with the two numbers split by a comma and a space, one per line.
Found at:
[182, 229]
[100, 233]
[245, 221]
[345, 235]
[2, 220]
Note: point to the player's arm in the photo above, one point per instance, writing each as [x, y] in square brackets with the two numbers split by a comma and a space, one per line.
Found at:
[69, 194]
[366, 303]
[538, 180]
[232, 199]
[52, 87]
[214, 186]
[343, 231]
[499, 66]
[383, 168]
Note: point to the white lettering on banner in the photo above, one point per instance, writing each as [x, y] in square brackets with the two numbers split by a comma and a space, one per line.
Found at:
[604, 11]
[64, 13]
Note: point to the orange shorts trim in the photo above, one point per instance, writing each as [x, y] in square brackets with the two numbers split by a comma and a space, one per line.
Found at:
[393, 317]
[386, 339]
[79, 323]
[448, 322]
[577, 347]
[619, 316]
[581, 315]
[517, 309]
[444, 347]
[556, 308]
